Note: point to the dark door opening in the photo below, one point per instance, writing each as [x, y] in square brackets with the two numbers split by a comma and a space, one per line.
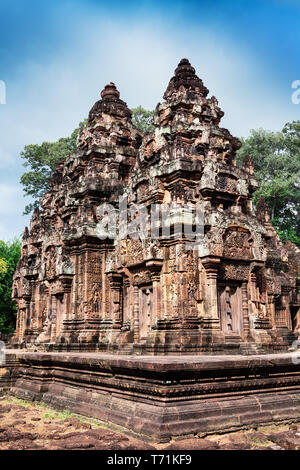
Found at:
[230, 308]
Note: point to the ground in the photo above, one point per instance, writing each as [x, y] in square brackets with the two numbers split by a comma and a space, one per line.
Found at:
[34, 426]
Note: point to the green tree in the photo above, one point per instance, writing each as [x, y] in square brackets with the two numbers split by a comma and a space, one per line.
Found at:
[41, 160]
[9, 256]
[142, 119]
[276, 160]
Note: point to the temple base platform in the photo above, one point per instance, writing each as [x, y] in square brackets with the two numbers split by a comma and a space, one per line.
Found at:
[161, 398]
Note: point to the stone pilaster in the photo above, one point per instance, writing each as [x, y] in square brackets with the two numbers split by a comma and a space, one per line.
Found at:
[156, 295]
[211, 320]
[271, 308]
[285, 302]
[246, 324]
[115, 282]
[136, 308]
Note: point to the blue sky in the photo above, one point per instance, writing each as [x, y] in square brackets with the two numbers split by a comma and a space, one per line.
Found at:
[56, 56]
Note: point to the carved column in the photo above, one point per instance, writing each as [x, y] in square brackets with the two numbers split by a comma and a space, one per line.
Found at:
[33, 304]
[126, 304]
[115, 281]
[43, 313]
[156, 297]
[74, 295]
[285, 290]
[22, 318]
[253, 296]
[211, 318]
[136, 308]
[53, 318]
[258, 305]
[252, 304]
[67, 281]
[21, 323]
[246, 324]
[271, 308]
[17, 330]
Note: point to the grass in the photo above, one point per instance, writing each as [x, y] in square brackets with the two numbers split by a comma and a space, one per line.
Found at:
[256, 441]
[54, 414]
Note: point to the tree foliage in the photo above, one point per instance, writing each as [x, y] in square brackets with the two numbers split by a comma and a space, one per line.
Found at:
[142, 119]
[276, 160]
[41, 160]
[9, 256]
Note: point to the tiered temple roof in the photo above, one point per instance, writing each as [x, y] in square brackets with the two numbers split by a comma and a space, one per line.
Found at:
[75, 288]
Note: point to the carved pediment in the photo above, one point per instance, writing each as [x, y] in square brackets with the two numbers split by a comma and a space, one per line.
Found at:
[237, 243]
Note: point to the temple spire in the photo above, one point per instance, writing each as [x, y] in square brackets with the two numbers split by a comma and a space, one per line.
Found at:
[110, 91]
[110, 103]
[185, 76]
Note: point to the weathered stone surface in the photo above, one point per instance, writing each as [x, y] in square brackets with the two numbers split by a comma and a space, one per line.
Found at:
[76, 289]
[61, 433]
[163, 397]
[193, 444]
[95, 305]
[287, 440]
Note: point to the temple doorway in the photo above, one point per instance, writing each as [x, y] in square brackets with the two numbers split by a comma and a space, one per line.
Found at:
[145, 312]
[59, 313]
[295, 318]
[230, 308]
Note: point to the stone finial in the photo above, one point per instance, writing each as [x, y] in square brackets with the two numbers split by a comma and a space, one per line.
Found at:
[185, 76]
[248, 164]
[110, 91]
[110, 103]
[262, 210]
[25, 233]
[184, 68]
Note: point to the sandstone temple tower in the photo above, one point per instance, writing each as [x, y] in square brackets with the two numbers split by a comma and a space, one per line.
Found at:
[75, 289]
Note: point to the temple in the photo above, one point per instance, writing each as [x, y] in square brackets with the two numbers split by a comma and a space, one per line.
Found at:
[233, 288]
